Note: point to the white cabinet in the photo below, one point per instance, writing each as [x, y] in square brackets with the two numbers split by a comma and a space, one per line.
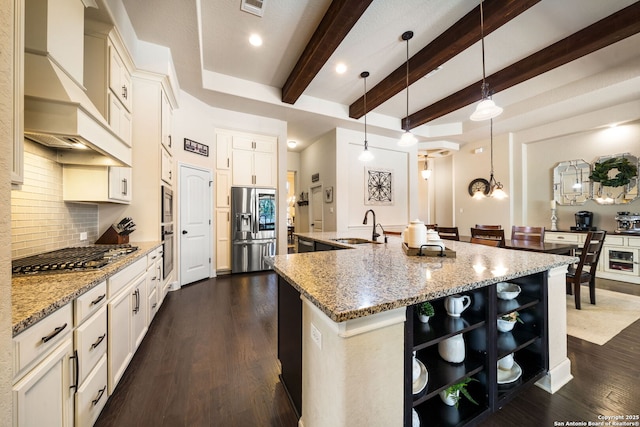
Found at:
[166, 163]
[223, 150]
[108, 77]
[126, 312]
[92, 395]
[96, 184]
[621, 258]
[254, 161]
[17, 169]
[223, 239]
[166, 118]
[44, 396]
[223, 189]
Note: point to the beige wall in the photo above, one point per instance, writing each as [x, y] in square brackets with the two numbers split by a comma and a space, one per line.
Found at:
[6, 155]
[543, 156]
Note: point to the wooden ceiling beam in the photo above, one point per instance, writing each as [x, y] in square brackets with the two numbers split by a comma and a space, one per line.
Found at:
[450, 43]
[341, 16]
[618, 26]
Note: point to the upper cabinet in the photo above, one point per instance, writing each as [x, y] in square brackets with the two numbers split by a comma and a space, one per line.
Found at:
[17, 172]
[96, 184]
[166, 119]
[108, 77]
[254, 160]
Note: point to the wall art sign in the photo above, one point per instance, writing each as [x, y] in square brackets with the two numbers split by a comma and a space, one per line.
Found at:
[378, 187]
[328, 195]
[315, 177]
[196, 147]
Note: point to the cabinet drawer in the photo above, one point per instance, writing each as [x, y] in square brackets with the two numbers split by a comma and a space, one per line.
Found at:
[561, 237]
[91, 342]
[152, 257]
[92, 395]
[89, 302]
[124, 277]
[634, 242]
[153, 304]
[41, 337]
[614, 240]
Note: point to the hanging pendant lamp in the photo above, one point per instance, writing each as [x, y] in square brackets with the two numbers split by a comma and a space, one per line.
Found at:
[366, 155]
[495, 187]
[426, 172]
[486, 109]
[407, 139]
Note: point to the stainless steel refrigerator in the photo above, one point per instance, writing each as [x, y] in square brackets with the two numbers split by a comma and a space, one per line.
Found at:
[253, 228]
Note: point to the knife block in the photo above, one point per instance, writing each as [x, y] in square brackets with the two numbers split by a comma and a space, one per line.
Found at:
[111, 237]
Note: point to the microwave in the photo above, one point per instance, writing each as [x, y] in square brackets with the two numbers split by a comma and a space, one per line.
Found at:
[167, 205]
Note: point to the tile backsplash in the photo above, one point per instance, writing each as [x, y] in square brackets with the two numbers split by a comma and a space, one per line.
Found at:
[40, 220]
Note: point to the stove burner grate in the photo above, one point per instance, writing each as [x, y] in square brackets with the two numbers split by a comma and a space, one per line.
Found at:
[74, 258]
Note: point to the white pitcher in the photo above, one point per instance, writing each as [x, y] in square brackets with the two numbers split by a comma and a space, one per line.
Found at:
[415, 235]
[456, 304]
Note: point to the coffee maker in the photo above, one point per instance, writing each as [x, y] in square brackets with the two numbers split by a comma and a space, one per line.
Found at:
[584, 221]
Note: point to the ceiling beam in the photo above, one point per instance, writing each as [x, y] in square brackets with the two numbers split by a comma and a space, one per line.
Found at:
[341, 16]
[450, 43]
[618, 26]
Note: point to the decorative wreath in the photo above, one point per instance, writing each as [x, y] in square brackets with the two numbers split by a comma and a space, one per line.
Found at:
[626, 171]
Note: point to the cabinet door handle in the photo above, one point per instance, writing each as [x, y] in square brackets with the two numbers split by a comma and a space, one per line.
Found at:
[124, 91]
[77, 370]
[136, 295]
[98, 341]
[155, 304]
[55, 332]
[124, 186]
[170, 175]
[97, 300]
[100, 393]
[169, 141]
[228, 201]
[227, 162]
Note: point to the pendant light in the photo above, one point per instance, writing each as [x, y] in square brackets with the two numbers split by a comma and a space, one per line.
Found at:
[366, 155]
[486, 109]
[426, 172]
[407, 139]
[495, 188]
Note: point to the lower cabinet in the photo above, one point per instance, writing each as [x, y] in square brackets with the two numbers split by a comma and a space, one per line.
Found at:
[467, 349]
[127, 325]
[44, 396]
[92, 395]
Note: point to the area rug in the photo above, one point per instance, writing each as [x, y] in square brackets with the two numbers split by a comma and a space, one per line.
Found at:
[599, 323]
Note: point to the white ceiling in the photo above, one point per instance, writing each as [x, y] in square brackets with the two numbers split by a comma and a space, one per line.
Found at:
[218, 66]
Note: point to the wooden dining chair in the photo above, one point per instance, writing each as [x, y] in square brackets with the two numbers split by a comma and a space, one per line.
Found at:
[530, 234]
[584, 272]
[488, 227]
[488, 234]
[488, 242]
[448, 233]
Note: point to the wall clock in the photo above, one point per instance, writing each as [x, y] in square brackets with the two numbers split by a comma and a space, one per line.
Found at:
[479, 184]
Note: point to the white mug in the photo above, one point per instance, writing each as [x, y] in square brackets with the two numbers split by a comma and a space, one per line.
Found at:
[506, 363]
[456, 304]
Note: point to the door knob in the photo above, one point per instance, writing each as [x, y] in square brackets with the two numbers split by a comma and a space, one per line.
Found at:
[184, 231]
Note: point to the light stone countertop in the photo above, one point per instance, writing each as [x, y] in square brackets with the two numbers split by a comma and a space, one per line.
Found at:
[371, 278]
[33, 297]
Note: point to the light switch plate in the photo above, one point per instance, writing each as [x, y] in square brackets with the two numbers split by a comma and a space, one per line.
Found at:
[83, 235]
[316, 336]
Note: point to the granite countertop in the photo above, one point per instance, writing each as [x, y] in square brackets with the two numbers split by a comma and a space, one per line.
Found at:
[371, 278]
[33, 297]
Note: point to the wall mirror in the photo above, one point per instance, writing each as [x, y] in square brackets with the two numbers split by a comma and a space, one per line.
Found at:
[571, 185]
[615, 179]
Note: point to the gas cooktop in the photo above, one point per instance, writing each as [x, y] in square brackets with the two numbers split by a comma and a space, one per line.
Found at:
[80, 258]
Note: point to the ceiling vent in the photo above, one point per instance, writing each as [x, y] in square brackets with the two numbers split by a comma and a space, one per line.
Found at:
[255, 7]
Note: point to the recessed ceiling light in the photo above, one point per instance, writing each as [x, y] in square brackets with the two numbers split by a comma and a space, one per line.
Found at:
[292, 144]
[255, 40]
[341, 68]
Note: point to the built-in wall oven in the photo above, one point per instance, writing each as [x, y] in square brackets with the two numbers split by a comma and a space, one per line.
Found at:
[167, 205]
[167, 246]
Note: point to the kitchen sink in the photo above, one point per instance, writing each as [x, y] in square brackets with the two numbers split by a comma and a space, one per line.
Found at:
[353, 240]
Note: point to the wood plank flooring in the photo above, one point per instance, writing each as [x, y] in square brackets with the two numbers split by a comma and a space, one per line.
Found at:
[209, 359]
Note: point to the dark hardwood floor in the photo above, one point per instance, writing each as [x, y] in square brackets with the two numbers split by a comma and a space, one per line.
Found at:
[209, 359]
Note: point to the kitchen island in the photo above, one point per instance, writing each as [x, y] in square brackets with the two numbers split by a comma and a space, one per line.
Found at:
[356, 332]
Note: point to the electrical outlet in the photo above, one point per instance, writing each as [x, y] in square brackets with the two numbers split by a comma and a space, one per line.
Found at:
[316, 336]
[83, 235]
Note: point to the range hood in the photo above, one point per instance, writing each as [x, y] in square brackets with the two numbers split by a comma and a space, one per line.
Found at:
[57, 111]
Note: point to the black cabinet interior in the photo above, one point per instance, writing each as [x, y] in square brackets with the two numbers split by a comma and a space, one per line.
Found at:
[290, 342]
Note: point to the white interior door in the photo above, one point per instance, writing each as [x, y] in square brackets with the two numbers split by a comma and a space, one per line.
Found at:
[316, 209]
[195, 224]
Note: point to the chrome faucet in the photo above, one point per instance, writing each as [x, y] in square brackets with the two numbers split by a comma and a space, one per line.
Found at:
[374, 235]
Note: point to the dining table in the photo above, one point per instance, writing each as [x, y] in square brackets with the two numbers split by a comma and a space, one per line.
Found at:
[527, 245]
